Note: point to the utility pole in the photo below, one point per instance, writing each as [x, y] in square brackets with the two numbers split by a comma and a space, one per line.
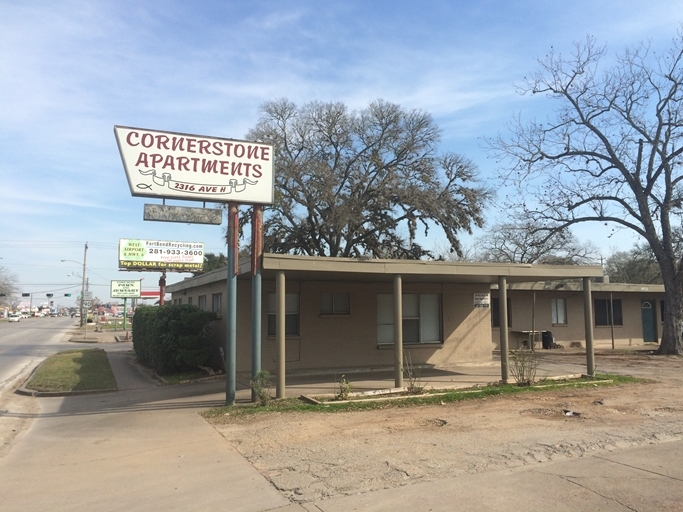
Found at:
[85, 254]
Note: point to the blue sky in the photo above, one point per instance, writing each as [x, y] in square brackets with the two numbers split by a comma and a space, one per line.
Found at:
[71, 70]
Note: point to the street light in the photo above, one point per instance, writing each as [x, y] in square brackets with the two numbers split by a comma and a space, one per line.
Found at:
[85, 254]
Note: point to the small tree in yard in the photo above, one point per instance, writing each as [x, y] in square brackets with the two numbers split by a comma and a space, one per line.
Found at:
[523, 365]
[612, 153]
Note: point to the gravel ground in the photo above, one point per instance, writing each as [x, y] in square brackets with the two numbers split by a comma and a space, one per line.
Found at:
[313, 456]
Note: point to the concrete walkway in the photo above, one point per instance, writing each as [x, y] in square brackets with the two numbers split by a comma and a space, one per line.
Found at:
[145, 447]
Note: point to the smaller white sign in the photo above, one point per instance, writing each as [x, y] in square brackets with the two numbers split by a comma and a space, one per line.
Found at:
[87, 303]
[482, 300]
[125, 289]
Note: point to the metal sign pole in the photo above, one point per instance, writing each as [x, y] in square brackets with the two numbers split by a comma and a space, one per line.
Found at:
[231, 306]
[256, 251]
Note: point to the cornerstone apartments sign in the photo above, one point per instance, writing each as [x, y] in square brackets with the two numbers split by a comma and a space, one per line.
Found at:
[195, 167]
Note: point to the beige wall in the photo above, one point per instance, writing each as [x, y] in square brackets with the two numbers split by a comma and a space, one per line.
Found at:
[350, 341]
[629, 334]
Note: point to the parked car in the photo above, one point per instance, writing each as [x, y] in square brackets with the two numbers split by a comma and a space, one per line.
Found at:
[14, 317]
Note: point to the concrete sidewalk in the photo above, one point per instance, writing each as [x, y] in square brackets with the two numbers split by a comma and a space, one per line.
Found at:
[145, 447]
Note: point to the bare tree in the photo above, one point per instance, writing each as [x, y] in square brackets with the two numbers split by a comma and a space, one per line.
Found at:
[359, 184]
[524, 242]
[638, 265]
[8, 288]
[610, 153]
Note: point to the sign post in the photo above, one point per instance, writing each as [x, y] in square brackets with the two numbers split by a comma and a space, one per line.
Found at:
[125, 290]
[172, 165]
[87, 304]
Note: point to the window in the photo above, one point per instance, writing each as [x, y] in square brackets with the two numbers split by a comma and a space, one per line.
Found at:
[201, 302]
[334, 304]
[559, 311]
[603, 312]
[291, 314]
[189, 300]
[180, 301]
[421, 318]
[495, 312]
[216, 303]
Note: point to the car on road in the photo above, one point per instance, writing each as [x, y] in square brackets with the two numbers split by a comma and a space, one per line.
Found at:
[14, 317]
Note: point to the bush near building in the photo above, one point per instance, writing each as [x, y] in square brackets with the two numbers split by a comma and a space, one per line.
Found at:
[172, 338]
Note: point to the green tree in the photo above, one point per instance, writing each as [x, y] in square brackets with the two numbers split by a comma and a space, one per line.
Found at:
[611, 152]
[637, 265]
[213, 262]
[359, 184]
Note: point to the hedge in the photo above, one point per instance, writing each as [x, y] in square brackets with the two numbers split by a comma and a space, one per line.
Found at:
[172, 338]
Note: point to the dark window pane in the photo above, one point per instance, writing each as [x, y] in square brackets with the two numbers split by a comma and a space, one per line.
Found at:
[495, 312]
[411, 330]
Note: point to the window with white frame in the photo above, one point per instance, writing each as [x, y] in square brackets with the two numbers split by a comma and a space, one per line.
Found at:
[291, 314]
[334, 304]
[189, 300]
[558, 311]
[201, 302]
[421, 318]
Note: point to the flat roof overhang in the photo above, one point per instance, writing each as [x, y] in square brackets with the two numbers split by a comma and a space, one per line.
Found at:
[359, 270]
[319, 268]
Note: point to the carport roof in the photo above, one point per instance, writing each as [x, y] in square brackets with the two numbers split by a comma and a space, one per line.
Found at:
[309, 268]
[351, 269]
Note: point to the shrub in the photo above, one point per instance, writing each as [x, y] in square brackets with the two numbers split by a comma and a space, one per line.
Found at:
[344, 388]
[523, 364]
[261, 386]
[414, 375]
[172, 338]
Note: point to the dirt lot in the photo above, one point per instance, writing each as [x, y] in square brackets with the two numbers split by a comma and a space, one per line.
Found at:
[310, 456]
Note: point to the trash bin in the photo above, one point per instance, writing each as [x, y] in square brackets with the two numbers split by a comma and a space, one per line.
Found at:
[547, 339]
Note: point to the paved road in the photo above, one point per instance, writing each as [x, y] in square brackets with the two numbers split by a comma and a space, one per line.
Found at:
[24, 344]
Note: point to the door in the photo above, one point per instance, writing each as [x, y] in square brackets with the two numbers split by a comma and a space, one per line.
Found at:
[649, 315]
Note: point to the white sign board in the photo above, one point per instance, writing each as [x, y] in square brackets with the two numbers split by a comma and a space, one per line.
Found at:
[195, 167]
[125, 289]
[482, 300]
[156, 255]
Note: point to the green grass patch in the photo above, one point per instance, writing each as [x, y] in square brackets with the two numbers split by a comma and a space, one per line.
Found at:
[74, 370]
[114, 325]
[439, 396]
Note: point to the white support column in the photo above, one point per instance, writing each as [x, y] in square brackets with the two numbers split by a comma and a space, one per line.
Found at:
[588, 318]
[503, 322]
[280, 332]
[398, 332]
